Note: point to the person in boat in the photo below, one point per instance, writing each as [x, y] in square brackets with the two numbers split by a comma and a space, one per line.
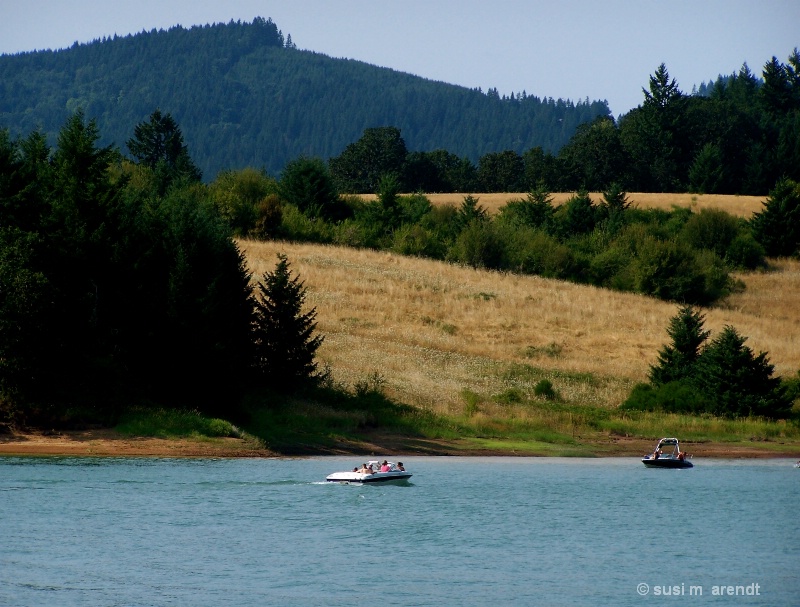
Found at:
[656, 454]
[385, 467]
[400, 466]
[365, 469]
[681, 455]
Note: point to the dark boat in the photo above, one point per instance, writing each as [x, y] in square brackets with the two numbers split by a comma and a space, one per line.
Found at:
[667, 454]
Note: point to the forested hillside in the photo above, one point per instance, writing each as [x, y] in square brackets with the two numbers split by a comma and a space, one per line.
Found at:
[246, 96]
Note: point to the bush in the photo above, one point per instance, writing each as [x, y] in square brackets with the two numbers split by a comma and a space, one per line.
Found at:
[298, 226]
[672, 397]
[478, 246]
[413, 239]
[545, 389]
[532, 251]
[745, 252]
[711, 229]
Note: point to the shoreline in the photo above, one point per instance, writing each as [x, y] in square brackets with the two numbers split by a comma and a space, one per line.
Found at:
[108, 443]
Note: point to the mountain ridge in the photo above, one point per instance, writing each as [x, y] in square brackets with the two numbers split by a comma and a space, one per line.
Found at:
[245, 96]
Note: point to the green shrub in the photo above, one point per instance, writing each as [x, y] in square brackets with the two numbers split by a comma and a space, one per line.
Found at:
[545, 389]
[295, 225]
[745, 252]
[478, 245]
[711, 229]
[509, 396]
[413, 239]
[471, 401]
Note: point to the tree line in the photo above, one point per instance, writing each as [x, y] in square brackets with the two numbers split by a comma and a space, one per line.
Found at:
[120, 284]
[740, 138]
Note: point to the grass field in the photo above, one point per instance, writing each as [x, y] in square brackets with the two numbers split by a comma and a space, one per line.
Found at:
[740, 206]
[472, 345]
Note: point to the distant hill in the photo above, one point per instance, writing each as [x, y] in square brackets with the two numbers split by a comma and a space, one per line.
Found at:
[245, 96]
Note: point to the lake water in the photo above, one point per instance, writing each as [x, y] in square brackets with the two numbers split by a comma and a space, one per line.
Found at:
[466, 531]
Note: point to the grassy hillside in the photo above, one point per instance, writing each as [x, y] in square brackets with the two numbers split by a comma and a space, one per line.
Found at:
[471, 346]
[434, 330]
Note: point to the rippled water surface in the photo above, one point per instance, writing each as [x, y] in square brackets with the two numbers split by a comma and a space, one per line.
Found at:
[466, 531]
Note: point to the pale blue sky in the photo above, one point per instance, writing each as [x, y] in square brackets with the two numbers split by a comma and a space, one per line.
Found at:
[572, 49]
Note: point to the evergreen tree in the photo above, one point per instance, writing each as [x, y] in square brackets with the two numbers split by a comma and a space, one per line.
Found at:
[158, 145]
[663, 91]
[535, 210]
[285, 344]
[470, 211]
[738, 383]
[677, 361]
[578, 215]
[777, 226]
[307, 184]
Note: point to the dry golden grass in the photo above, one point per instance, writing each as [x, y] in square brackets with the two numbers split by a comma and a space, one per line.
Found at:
[740, 206]
[433, 330]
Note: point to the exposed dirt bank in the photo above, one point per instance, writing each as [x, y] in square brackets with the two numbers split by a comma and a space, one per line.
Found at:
[108, 443]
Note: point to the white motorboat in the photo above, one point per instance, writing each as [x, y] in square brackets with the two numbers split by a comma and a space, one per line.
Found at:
[370, 473]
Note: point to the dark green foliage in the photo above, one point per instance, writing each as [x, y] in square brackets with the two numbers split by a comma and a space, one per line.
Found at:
[676, 397]
[545, 389]
[612, 210]
[439, 171]
[158, 145]
[672, 271]
[725, 235]
[533, 251]
[190, 313]
[777, 226]
[478, 245]
[723, 377]
[245, 97]
[285, 343]
[677, 361]
[307, 184]
[738, 383]
[535, 210]
[707, 173]
[26, 307]
[594, 158]
[469, 211]
[501, 172]
[360, 167]
[577, 216]
[247, 201]
[109, 291]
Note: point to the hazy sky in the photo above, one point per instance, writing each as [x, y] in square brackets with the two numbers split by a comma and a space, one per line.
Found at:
[572, 49]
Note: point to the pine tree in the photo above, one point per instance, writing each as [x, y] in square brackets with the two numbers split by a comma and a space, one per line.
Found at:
[777, 225]
[158, 144]
[678, 360]
[736, 382]
[285, 344]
